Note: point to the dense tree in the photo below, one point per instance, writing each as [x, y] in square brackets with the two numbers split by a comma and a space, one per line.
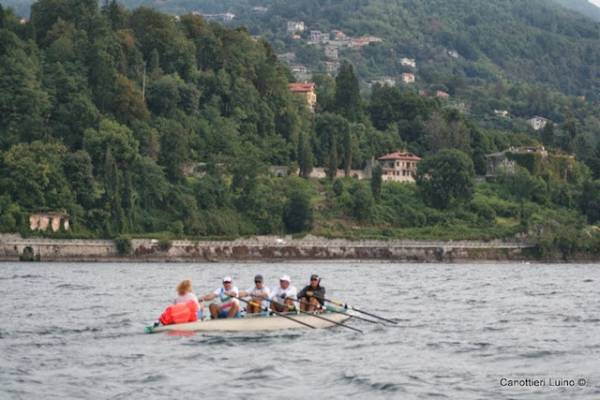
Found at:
[362, 202]
[347, 93]
[446, 178]
[376, 181]
[304, 156]
[298, 212]
[590, 201]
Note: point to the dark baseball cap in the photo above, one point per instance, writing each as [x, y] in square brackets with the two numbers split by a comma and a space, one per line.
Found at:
[314, 276]
[258, 277]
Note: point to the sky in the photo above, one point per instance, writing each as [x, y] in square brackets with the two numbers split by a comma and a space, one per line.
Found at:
[596, 2]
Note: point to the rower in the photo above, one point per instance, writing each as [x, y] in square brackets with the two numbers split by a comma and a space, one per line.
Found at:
[313, 295]
[258, 294]
[227, 306]
[283, 296]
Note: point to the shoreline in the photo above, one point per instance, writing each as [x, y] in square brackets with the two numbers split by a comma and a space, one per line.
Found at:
[271, 249]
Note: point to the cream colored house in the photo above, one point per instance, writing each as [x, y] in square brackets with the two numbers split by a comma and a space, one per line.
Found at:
[399, 167]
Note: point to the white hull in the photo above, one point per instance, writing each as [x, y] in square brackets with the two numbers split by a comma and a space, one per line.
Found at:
[259, 323]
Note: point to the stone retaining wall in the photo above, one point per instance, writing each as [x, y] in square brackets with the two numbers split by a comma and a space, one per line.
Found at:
[12, 247]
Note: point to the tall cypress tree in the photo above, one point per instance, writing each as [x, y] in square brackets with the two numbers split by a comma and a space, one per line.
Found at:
[332, 158]
[304, 156]
[347, 152]
[347, 93]
[376, 180]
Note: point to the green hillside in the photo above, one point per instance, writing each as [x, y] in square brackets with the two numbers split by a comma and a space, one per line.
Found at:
[584, 7]
[134, 122]
[534, 41]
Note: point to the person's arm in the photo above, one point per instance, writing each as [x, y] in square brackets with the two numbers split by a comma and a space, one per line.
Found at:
[302, 293]
[321, 295]
[244, 293]
[293, 293]
[210, 296]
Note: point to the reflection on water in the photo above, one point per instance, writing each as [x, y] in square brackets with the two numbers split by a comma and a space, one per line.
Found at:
[76, 331]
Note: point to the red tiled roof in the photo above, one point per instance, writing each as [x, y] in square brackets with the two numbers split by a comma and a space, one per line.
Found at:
[301, 87]
[399, 155]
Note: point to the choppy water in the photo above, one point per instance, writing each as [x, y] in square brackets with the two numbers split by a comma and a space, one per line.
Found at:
[75, 331]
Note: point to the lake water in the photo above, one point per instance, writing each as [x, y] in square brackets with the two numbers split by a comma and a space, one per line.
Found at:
[465, 331]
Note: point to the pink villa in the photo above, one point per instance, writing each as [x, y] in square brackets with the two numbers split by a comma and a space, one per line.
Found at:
[399, 167]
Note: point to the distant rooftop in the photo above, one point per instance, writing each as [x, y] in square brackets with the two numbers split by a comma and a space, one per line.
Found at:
[301, 87]
[400, 155]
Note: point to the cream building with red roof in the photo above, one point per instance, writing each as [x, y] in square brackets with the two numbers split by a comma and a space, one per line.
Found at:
[399, 166]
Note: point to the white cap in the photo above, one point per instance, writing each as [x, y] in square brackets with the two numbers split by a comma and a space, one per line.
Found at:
[227, 279]
[285, 278]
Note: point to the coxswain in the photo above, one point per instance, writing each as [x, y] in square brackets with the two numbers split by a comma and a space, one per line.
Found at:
[312, 297]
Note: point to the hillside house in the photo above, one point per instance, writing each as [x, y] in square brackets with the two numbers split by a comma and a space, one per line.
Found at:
[408, 77]
[453, 53]
[41, 221]
[362, 41]
[399, 167]
[441, 94]
[223, 17]
[294, 27]
[501, 113]
[385, 81]
[338, 35]
[301, 72]
[538, 123]
[408, 62]
[306, 91]
[316, 37]
[331, 52]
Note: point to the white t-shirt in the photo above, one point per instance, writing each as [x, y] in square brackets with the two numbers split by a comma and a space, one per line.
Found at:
[254, 292]
[185, 298]
[222, 298]
[278, 292]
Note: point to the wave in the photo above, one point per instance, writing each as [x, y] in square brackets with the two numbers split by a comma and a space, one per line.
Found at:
[368, 384]
[26, 276]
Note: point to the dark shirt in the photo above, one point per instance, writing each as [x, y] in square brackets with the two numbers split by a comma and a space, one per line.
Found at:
[318, 292]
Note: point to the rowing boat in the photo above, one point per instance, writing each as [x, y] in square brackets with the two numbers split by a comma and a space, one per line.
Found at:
[258, 322]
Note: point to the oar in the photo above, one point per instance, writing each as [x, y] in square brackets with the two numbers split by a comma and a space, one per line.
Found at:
[316, 316]
[280, 314]
[341, 312]
[349, 307]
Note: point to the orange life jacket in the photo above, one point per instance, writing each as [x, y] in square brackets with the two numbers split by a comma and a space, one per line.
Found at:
[180, 313]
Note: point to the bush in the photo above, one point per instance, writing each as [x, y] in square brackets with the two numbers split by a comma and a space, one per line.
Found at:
[164, 245]
[124, 246]
[297, 215]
